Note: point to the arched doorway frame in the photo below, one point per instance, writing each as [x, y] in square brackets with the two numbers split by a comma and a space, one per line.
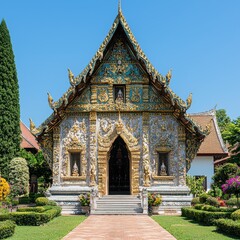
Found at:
[108, 162]
[104, 148]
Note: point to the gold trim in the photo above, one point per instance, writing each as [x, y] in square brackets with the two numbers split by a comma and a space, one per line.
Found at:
[74, 178]
[163, 178]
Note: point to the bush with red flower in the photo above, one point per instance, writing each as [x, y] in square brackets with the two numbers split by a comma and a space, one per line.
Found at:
[232, 186]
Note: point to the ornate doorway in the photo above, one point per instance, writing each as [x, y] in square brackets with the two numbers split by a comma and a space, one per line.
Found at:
[119, 174]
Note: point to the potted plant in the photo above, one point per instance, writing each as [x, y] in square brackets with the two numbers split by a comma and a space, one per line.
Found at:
[84, 199]
[154, 201]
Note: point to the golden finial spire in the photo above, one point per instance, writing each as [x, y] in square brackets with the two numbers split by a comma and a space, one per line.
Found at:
[119, 6]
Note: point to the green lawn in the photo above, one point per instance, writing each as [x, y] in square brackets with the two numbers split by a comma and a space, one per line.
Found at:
[184, 229]
[55, 229]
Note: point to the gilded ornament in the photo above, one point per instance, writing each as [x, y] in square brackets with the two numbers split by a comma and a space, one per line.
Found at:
[136, 95]
[103, 95]
[71, 77]
[189, 101]
[168, 76]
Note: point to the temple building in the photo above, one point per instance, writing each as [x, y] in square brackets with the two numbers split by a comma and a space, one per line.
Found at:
[120, 130]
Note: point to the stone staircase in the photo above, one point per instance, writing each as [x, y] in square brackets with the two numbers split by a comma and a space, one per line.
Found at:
[118, 205]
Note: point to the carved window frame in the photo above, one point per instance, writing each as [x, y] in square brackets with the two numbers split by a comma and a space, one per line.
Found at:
[70, 152]
[162, 149]
[75, 148]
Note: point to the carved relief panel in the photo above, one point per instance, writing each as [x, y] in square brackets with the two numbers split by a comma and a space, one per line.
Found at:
[164, 139]
[74, 131]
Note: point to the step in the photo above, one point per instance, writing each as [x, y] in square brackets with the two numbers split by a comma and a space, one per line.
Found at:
[118, 205]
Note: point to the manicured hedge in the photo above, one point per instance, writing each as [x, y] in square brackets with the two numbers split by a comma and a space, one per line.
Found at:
[7, 229]
[33, 218]
[205, 217]
[31, 209]
[228, 226]
[236, 215]
[210, 208]
[43, 201]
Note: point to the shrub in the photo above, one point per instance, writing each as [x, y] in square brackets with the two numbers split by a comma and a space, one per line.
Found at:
[7, 229]
[203, 197]
[4, 189]
[210, 208]
[195, 185]
[4, 217]
[35, 218]
[195, 201]
[31, 209]
[228, 226]
[236, 215]
[154, 199]
[215, 191]
[231, 202]
[221, 202]
[52, 203]
[24, 200]
[212, 201]
[205, 217]
[84, 199]
[19, 176]
[232, 186]
[198, 206]
[41, 201]
[3, 210]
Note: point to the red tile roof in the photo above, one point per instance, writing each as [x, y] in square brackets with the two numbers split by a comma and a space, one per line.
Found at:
[213, 143]
[28, 140]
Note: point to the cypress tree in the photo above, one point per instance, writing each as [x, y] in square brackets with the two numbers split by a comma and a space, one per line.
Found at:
[9, 103]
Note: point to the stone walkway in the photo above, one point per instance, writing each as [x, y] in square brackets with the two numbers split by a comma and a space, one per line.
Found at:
[116, 227]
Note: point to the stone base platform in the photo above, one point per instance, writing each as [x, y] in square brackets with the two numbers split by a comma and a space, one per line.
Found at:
[173, 198]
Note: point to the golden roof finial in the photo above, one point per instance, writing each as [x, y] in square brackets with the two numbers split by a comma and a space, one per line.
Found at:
[32, 125]
[169, 76]
[71, 77]
[189, 101]
[119, 6]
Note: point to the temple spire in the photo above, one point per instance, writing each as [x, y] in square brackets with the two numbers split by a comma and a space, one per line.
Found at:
[119, 6]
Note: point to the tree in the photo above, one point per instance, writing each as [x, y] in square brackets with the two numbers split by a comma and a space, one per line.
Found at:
[19, 177]
[225, 172]
[223, 119]
[232, 135]
[195, 185]
[9, 102]
[37, 164]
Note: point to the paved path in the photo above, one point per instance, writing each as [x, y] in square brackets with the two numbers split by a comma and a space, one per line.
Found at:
[116, 227]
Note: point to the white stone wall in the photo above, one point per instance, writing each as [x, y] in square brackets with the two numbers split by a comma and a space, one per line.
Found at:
[203, 166]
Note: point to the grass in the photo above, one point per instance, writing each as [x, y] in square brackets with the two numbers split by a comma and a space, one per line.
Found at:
[184, 229]
[55, 229]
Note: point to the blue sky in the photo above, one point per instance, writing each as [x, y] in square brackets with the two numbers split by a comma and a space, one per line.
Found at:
[198, 39]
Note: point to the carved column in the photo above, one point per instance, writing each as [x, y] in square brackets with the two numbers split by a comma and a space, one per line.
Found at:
[93, 94]
[181, 156]
[127, 93]
[145, 93]
[145, 143]
[56, 155]
[110, 93]
[93, 149]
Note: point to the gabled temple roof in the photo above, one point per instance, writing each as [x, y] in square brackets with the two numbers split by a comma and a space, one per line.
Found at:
[28, 140]
[213, 143]
[79, 83]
